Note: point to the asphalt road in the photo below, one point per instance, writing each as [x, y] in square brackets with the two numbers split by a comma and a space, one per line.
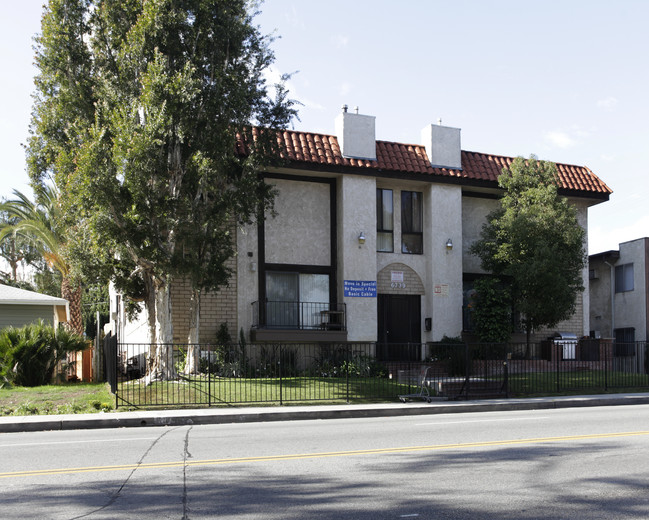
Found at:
[589, 463]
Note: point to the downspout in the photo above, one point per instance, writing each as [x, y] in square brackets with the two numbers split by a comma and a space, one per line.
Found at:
[612, 298]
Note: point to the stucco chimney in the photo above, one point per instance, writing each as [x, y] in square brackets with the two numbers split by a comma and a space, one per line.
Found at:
[443, 146]
[356, 135]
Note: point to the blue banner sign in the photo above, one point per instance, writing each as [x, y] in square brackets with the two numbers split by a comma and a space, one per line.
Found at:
[360, 289]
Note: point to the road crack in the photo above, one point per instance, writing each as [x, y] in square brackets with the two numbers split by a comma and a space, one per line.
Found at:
[186, 455]
[117, 494]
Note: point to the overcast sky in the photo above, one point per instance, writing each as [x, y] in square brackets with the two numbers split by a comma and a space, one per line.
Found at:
[566, 80]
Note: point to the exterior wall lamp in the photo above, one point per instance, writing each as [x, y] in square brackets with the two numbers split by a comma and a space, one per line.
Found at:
[361, 238]
[449, 244]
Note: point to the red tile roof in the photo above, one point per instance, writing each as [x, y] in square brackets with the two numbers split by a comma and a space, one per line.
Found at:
[312, 149]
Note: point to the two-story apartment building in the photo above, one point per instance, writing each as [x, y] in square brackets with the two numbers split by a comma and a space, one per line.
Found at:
[368, 242]
[619, 292]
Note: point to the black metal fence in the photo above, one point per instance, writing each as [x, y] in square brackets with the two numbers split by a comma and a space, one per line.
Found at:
[143, 375]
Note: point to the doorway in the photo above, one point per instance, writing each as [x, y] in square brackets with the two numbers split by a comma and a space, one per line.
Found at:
[399, 327]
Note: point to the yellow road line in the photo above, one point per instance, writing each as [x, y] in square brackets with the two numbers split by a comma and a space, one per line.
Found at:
[300, 456]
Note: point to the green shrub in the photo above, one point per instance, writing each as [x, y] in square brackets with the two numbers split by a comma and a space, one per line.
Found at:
[492, 311]
[29, 355]
[452, 351]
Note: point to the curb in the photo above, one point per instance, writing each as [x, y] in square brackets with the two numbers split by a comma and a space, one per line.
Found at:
[33, 423]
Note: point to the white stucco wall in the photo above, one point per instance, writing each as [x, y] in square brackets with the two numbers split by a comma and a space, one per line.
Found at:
[247, 275]
[302, 217]
[438, 268]
[128, 331]
[443, 221]
[418, 263]
[356, 198]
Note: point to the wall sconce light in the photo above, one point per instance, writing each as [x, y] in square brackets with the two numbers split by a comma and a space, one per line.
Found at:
[449, 244]
[361, 238]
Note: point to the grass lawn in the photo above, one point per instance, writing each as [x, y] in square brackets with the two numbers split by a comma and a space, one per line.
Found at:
[56, 399]
[201, 391]
[535, 384]
[228, 391]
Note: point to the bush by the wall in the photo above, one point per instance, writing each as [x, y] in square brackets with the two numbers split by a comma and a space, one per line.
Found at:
[29, 355]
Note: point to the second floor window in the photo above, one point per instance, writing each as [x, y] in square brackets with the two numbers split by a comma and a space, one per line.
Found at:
[623, 278]
[384, 221]
[412, 222]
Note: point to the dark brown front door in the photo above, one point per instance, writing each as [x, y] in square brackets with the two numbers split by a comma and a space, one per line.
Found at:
[399, 324]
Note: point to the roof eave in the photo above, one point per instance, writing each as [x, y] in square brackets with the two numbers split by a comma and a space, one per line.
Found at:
[450, 178]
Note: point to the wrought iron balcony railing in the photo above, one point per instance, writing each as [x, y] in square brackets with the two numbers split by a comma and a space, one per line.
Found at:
[299, 315]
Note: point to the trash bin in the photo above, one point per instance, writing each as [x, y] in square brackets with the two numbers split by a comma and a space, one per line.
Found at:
[567, 341]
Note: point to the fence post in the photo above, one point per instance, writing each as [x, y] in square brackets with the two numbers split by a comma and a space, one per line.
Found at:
[606, 366]
[209, 372]
[347, 355]
[467, 369]
[110, 358]
[506, 378]
[556, 363]
[279, 366]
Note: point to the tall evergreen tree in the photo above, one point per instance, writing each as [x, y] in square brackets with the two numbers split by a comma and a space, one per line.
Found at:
[534, 240]
[139, 109]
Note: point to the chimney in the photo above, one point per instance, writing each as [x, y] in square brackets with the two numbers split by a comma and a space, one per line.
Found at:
[443, 146]
[356, 135]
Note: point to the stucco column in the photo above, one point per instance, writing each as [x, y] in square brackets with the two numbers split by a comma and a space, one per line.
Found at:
[443, 222]
[357, 262]
[247, 275]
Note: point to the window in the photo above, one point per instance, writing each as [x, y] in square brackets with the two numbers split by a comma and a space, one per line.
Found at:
[384, 221]
[624, 278]
[295, 300]
[624, 342]
[411, 223]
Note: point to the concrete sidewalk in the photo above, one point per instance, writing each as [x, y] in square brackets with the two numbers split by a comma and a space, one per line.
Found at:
[292, 413]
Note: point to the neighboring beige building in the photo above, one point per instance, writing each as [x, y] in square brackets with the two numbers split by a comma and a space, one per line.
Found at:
[619, 292]
[19, 307]
[370, 240]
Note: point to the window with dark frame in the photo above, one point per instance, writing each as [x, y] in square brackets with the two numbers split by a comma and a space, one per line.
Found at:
[412, 222]
[624, 342]
[384, 221]
[296, 300]
[623, 278]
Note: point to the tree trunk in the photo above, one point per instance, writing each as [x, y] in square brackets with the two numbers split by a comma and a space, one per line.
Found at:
[149, 303]
[73, 295]
[192, 363]
[162, 352]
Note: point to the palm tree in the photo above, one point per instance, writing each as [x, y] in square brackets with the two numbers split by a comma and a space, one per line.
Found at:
[43, 224]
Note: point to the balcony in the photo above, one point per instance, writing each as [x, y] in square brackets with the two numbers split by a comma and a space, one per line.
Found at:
[298, 321]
